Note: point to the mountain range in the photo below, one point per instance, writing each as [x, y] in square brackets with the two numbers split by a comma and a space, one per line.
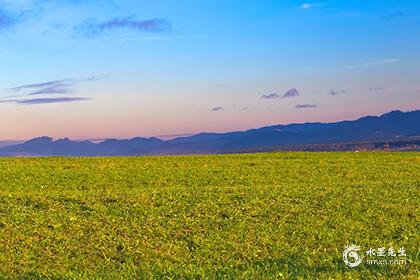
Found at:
[392, 126]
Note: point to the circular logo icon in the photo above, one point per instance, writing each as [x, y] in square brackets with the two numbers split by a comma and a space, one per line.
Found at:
[350, 256]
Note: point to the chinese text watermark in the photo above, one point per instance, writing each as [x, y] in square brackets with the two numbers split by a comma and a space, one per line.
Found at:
[353, 256]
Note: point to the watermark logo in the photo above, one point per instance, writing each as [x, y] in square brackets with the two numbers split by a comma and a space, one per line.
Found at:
[350, 256]
[353, 256]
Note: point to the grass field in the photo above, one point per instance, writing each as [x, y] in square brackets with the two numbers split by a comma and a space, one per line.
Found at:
[256, 216]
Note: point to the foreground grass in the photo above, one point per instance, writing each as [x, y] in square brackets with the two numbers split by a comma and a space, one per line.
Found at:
[261, 216]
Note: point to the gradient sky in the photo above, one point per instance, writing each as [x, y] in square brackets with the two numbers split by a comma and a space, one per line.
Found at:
[90, 69]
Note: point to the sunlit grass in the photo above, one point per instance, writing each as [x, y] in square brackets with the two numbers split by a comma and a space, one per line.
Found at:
[278, 215]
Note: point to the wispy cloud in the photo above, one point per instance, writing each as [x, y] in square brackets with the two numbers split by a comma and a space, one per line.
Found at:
[54, 87]
[375, 88]
[305, 106]
[52, 90]
[374, 63]
[56, 83]
[288, 94]
[270, 96]
[51, 87]
[337, 92]
[38, 101]
[216, 109]
[291, 93]
[306, 6]
[154, 25]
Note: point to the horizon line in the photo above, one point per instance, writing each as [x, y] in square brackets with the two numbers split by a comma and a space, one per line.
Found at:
[174, 136]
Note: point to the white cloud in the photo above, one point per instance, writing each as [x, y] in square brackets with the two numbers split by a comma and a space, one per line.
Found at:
[306, 6]
[373, 63]
[310, 5]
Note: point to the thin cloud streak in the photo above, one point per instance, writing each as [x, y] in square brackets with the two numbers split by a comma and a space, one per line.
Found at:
[51, 90]
[334, 92]
[38, 101]
[53, 87]
[217, 109]
[54, 83]
[374, 63]
[375, 88]
[305, 106]
[270, 96]
[62, 86]
[154, 25]
[40, 85]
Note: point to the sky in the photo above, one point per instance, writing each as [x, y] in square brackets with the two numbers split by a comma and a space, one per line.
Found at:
[94, 69]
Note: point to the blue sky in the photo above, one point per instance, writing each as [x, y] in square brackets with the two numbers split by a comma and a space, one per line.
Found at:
[94, 69]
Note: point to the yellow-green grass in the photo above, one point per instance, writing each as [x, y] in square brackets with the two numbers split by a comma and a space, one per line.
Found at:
[253, 216]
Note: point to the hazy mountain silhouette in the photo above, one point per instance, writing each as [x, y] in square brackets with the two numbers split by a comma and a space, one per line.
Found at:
[392, 125]
[6, 143]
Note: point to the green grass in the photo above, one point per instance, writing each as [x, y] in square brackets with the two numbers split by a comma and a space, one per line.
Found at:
[256, 216]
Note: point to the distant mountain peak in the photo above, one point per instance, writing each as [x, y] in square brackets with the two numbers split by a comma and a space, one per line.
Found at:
[393, 113]
[63, 140]
[39, 140]
[390, 126]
